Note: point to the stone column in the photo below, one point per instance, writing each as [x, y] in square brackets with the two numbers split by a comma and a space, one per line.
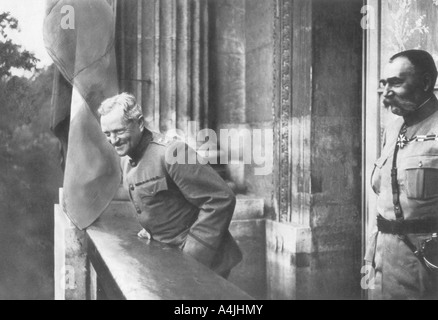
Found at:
[163, 59]
[228, 63]
[313, 242]
[228, 86]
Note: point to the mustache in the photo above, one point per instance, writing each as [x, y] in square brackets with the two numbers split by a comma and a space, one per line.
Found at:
[398, 102]
[386, 103]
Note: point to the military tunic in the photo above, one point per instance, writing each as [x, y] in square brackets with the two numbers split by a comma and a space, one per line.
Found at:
[182, 204]
[399, 274]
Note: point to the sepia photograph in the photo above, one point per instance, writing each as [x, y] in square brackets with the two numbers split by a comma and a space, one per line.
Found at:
[231, 151]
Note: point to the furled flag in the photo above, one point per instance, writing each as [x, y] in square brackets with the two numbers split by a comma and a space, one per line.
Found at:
[79, 36]
[61, 103]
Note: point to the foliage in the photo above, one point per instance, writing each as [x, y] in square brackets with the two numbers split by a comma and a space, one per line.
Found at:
[30, 174]
[12, 55]
[29, 182]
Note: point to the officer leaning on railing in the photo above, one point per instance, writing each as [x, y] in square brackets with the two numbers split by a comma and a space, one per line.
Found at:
[185, 205]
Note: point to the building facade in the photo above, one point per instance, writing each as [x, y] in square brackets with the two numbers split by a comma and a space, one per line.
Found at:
[305, 71]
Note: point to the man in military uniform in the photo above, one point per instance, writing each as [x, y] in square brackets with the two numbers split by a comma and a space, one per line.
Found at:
[405, 179]
[184, 205]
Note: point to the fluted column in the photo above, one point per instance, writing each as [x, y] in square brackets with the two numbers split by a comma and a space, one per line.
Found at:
[228, 62]
[183, 79]
[149, 67]
[167, 64]
[163, 59]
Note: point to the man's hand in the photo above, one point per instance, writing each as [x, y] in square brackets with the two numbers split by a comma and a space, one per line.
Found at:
[143, 234]
[122, 194]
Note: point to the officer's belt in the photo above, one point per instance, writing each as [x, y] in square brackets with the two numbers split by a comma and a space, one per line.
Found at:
[404, 227]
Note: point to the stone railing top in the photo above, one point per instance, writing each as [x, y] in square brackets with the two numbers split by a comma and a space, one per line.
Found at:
[143, 269]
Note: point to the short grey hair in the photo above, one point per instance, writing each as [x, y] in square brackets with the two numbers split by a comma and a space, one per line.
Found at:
[126, 101]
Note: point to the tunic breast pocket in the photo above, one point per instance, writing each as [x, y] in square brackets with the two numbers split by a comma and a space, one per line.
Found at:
[153, 188]
[421, 177]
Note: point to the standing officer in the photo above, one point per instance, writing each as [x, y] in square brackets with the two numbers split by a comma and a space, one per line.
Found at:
[181, 204]
[405, 180]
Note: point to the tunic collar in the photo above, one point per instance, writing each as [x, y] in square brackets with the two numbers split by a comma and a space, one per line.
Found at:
[423, 112]
[146, 138]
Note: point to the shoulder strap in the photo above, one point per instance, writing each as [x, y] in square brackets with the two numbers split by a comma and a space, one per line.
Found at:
[396, 198]
[394, 179]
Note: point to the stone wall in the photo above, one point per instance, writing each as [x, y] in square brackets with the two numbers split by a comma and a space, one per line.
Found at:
[294, 67]
[259, 89]
[241, 97]
[314, 240]
[241, 90]
[336, 147]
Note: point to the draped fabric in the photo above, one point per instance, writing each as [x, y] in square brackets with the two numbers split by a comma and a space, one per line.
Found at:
[61, 102]
[83, 51]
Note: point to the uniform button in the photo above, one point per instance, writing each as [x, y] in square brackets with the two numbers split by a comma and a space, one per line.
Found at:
[133, 163]
[420, 164]
[131, 187]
